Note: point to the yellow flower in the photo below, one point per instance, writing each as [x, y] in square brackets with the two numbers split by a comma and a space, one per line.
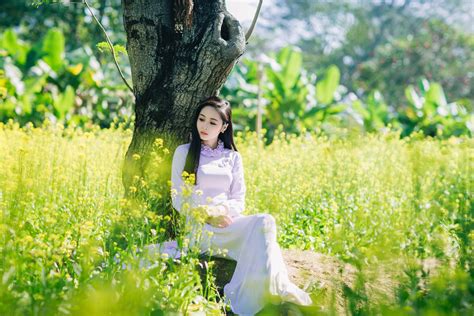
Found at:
[37, 252]
[123, 202]
[30, 195]
[136, 157]
[186, 191]
[174, 192]
[159, 142]
[38, 297]
[28, 239]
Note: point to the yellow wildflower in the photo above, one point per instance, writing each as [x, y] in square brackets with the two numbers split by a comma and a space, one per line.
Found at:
[159, 142]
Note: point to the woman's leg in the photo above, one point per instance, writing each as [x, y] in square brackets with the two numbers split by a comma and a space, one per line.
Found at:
[260, 276]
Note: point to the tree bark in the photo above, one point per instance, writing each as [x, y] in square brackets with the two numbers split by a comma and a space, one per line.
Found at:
[174, 66]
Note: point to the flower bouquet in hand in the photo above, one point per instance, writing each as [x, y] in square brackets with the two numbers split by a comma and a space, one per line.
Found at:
[218, 216]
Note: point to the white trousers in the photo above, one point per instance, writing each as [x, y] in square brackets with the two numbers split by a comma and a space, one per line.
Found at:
[260, 276]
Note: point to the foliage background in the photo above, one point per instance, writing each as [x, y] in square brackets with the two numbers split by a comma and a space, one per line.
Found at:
[357, 84]
[374, 63]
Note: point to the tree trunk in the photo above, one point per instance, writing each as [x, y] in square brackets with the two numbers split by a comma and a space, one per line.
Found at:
[175, 63]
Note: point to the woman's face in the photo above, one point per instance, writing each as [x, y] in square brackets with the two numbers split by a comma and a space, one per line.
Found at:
[209, 123]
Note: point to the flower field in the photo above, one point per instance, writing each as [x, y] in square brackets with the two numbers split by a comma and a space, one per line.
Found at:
[374, 201]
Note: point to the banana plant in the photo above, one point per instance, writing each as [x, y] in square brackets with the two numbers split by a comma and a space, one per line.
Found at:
[31, 73]
[53, 49]
[14, 47]
[286, 90]
[283, 85]
[429, 111]
[241, 89]
[326, 104]
[36, 79]
[374, 114]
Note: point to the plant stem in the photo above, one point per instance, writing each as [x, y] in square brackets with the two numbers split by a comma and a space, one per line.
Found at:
[110, 45]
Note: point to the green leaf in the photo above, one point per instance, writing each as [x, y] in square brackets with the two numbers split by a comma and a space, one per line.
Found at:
[13, 47]
[313, 111]
[376, 103]
[64, 102]
[283, 55]
[37, 3]
[104, 46]
[326, 87]
[35, 84]
[359, 108]
[53, 48]
[413, 97]
[26, 103]
[436, 95]
[10, 42]
[7, 108]
[336, 108]
[424, 85]
[120, 49]
[291, 67]
[277, 80]
[251, 74]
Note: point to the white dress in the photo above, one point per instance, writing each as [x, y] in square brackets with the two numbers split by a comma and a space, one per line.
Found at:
[260, 275]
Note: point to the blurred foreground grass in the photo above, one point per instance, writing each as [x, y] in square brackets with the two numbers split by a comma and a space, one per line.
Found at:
[375, 201]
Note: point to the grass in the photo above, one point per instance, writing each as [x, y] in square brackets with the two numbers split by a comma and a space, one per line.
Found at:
[381, 203]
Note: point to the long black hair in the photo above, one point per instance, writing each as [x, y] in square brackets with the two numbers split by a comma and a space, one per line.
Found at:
[222, 106]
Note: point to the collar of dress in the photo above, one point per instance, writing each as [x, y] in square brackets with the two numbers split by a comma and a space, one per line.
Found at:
[210, 152]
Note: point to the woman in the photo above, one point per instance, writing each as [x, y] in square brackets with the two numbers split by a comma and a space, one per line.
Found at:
[260, 275]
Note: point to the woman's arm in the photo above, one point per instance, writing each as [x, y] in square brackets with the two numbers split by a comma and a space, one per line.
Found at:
[177, 166]
[235, 204]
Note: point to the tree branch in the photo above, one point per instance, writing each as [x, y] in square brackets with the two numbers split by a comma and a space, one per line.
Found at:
[254, 21]
[110, 45]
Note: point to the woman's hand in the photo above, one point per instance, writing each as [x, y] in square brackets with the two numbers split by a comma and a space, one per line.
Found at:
[220, 221]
